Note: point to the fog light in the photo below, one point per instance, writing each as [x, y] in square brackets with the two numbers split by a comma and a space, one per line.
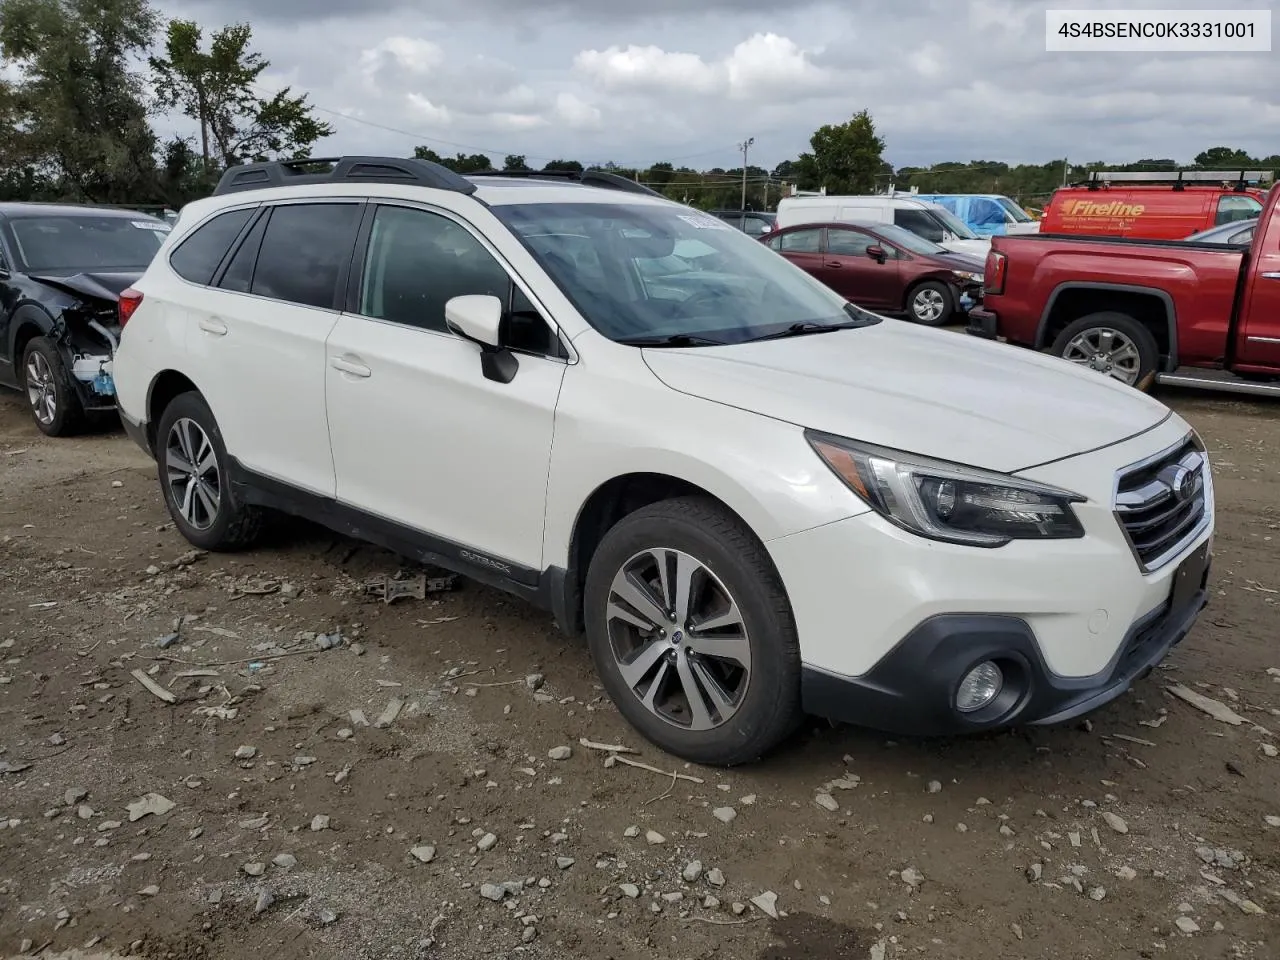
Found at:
[979, 687]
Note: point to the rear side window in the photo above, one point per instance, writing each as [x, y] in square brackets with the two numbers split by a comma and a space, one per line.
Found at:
[1232, 208]
[239, 273]
[303, 251]
[802, 241]
[197, 257]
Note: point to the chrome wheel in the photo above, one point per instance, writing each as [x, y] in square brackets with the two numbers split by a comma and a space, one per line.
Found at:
[41, 390]
[678, 639]
[1107, 351]
[928, 305]
[191, 469]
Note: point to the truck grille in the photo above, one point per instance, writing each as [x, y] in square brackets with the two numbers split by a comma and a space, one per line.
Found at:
[1163, 503]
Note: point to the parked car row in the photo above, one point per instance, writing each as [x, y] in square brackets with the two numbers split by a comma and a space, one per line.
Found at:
[674, 440]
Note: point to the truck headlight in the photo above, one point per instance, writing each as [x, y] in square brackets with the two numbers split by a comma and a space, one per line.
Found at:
[947, 501]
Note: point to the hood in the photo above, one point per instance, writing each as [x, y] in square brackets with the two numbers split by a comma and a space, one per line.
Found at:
[974, 248]
[963, 261]
[95, 286]
[928, 392]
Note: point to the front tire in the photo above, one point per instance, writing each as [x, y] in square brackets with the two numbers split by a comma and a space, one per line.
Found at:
[931, 303]
[51, 396]
[692, 633]
[192, 464]
[1113, 344]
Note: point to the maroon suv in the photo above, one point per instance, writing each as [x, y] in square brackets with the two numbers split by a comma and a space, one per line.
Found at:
[884, 268]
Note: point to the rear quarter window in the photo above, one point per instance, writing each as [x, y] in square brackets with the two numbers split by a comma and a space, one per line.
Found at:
[197, 257]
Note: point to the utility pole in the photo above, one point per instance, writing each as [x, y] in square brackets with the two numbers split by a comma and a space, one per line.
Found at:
[744, 146]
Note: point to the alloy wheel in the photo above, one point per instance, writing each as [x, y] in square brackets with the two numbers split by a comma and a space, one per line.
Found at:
[41, 390]
[928, 305]
[1107, 351]
[191, 469]
[678, 639]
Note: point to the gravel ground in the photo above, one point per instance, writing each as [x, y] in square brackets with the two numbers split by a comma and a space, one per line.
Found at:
[420, 789]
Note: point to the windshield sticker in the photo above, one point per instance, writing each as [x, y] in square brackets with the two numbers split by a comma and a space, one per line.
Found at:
[704, 223]
[149, 225]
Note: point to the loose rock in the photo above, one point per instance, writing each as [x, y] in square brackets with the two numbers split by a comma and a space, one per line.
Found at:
[560, 753]
[320, 822]
[692, 871]
[74, 795]
[725, 814]
[492, 891]
[827, 802]
[629, 890]
[152, 804]
[715, 877]
[934, 786]
[246, 752]
[564, 863]
[1187, 925]
[654, 837]
[767, 903]
[1115, 822]
[424, 853]
[285, 861]
[486, 842]
[254, 869]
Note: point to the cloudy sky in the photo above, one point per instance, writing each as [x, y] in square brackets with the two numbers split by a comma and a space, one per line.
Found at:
[638, 82]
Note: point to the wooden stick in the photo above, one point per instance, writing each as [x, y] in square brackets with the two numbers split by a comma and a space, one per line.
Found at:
[154, 687]
[666, 793]
[722, 923]
[606, 747]
[618, 758]
[1128, 739]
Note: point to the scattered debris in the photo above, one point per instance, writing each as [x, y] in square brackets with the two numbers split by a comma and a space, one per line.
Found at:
[390, 714]
[615, 758]
[767, 903]
[152, 804]
[827, 802]
[390, 589]
[1214, 708]
[1115, 822]
[912, 878]
[606, 747]
[152, 686]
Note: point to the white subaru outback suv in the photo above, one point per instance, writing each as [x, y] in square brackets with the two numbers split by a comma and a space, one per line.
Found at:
[756, 499]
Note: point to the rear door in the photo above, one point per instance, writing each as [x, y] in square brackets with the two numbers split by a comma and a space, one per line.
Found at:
[848, 270]
[256, 344]
[803, 247]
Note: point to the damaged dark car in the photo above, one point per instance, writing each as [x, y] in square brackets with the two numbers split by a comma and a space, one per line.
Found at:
[62, 269]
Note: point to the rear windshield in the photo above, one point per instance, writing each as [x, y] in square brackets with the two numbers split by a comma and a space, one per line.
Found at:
[86, 243]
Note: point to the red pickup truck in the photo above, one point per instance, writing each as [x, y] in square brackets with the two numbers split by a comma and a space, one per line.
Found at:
[1143, 310]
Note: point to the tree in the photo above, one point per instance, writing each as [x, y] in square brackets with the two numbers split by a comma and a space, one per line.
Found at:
[218, 90]
[461, 163]
[77, 117]
[573, 165]
[846, 157]
[1224, 158]
[515, 161]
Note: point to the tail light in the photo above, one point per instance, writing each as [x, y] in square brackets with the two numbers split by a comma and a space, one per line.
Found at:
[129, 302]
[993, 273]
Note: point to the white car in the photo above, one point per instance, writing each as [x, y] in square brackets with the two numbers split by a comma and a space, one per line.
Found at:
[756, 499]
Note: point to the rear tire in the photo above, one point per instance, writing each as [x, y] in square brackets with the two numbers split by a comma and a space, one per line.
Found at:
[51, 395]
[1113, 344]
[931, 303]
[719, 682]
[192, 464]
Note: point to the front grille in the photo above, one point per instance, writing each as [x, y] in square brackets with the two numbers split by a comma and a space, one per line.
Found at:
[1162, 503]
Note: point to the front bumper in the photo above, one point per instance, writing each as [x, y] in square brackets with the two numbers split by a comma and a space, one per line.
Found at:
[912, 690]
[982, 323]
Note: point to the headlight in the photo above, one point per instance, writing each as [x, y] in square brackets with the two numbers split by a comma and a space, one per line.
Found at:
[946, 501]
[966, 275]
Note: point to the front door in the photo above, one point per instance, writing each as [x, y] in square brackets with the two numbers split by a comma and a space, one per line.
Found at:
[1260, 319]
[419, 435]
[860, 278]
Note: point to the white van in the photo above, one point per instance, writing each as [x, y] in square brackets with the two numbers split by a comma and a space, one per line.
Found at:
[928, 220]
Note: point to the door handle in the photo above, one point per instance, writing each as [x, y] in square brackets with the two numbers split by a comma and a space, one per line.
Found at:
[214, 326]
[1270, 275]
[834, 264]
[350, 366]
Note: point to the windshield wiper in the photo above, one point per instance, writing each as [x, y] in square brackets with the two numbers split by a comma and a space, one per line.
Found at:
[806, 327]
[674, 340]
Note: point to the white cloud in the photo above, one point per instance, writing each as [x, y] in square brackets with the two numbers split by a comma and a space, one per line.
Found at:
[604, 80]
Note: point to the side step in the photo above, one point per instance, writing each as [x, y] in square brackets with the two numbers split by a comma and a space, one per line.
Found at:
[1232, 385]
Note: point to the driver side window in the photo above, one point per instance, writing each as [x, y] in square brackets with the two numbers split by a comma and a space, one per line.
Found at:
[417, 261]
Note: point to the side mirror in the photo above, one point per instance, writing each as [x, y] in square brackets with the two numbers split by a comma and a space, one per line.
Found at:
[478, 318]
[876, 252]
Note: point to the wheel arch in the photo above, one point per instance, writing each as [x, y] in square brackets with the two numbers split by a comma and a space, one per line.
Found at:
[611, 501]
[1151, 307]
[29, 321]
[165, 386]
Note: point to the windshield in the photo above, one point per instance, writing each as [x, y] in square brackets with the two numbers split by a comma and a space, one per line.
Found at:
[86, 243]
[1015, 211]
[952, 222]
[656, 271]
[904, 238]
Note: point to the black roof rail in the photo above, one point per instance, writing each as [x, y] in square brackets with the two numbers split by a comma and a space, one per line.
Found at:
[588, 178]
[312, 170]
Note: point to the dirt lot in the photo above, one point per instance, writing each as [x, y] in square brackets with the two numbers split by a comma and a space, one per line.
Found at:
[293, 825]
